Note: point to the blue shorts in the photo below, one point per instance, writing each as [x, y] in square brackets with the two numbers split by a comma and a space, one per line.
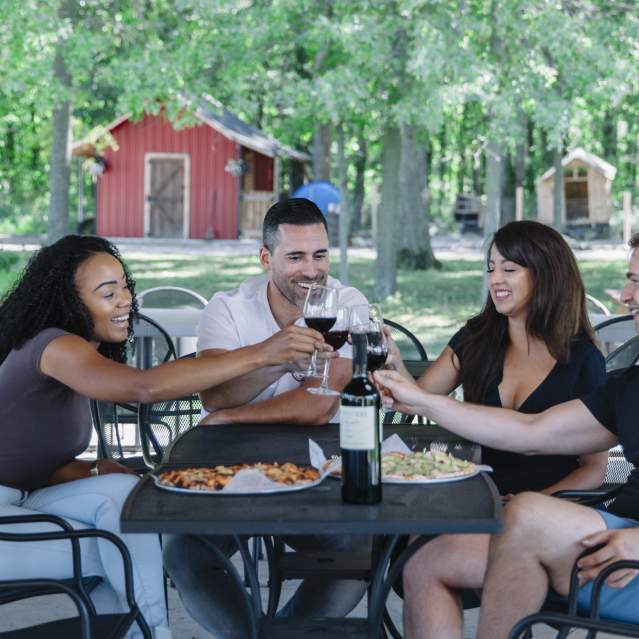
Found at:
[619, 604]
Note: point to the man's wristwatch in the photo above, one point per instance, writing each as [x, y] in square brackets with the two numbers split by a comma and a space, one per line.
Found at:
[94, 471]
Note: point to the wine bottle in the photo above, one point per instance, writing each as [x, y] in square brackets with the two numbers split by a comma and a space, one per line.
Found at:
[359, 434]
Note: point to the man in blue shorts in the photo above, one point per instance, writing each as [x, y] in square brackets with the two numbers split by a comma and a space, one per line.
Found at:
[542, 535]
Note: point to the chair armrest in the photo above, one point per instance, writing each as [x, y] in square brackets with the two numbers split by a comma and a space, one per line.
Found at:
[52, 584]
[598, 582]
[563, 621]
[588, 497]
[40, 517]
[73, 536]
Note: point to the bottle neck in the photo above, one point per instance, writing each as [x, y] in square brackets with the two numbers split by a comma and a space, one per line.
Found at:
[360, 354]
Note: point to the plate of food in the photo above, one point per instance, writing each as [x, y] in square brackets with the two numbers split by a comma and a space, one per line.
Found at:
[239, 479]
[428, 467]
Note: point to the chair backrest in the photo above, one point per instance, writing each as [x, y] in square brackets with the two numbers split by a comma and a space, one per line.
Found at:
[624, 356]
[170, 297]
[411, 349]
[611, 333]
[160, 423]
[618, 469]
[593, 305]
[116, 423]
[409, 345]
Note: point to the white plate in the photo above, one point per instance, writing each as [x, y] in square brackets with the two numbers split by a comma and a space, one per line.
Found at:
[230, 493]
[480, 468]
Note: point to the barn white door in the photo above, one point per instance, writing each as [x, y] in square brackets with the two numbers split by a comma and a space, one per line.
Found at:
[166, 195]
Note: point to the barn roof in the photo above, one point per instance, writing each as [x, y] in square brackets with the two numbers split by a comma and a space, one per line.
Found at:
[606, 169]
[214, 114]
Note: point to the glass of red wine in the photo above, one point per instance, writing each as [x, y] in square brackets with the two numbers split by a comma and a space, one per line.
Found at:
[377, 344]
[336, 336]
[320, 313]
[370, 316]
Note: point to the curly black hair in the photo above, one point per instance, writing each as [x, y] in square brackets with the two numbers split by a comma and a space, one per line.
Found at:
[45, 296]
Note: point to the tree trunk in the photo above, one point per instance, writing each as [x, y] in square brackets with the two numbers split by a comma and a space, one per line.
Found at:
[507, 207]
[386, 264]
[322, 152]
[414, 249]
[344, 208]
[59, 179]
[558, 189]
[295, 174]
[359, 191]
[494, 164]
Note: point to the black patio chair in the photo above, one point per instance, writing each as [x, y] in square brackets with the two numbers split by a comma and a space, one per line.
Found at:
[411, 349]
[170, 297]
[160, 423]
[113, 421]
[570, 620]
[623, 357]
[88, 624]
[607, 343]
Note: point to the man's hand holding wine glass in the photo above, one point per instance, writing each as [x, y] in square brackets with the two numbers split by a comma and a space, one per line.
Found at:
[293, 346]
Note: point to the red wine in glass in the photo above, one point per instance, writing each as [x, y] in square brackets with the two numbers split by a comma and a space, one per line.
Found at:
[377, 351]
[320, 324]
[336, 339]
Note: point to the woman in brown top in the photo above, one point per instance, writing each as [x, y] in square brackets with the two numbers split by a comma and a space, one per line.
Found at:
[63, 333]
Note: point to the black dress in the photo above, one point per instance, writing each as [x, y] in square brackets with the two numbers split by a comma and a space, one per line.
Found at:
[584, 372]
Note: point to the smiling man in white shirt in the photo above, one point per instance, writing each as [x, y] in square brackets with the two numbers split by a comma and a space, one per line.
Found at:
[294, 255]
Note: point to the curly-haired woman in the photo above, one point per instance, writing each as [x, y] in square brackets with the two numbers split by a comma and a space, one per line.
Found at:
[530, 347]
[63, 332]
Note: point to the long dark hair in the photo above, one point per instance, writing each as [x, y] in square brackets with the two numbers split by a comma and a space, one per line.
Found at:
[45, 296]
[556, 310]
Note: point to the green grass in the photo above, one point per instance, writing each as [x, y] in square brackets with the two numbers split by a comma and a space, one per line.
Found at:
[433, 304]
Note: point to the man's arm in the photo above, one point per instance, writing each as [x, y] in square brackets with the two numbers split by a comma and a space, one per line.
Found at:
[293, 407]
[241, 389]
[565, 429]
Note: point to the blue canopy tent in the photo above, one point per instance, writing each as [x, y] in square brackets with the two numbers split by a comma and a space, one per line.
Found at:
[322, 193]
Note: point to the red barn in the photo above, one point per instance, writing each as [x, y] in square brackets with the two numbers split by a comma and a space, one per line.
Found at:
[212, 180]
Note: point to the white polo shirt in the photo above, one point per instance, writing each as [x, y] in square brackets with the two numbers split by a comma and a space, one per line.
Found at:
[243, 317]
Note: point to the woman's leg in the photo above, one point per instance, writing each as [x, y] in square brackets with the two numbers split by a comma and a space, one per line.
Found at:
[96, 502]
[432, 579]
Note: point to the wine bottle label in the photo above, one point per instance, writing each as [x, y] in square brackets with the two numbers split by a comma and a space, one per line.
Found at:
[357, 427]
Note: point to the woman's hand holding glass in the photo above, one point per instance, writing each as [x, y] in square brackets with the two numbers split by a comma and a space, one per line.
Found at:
[399, 392]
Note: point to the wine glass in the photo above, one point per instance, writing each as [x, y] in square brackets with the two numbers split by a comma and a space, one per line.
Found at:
[336, 336]
[377, 344]
[370, 316]
[320, 313]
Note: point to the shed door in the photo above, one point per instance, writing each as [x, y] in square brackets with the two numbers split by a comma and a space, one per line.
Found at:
[165, 196]
[576, 200]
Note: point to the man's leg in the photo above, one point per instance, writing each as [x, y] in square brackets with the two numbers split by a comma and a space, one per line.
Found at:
[535, 551]
[432, 580]
[210, 595]
[322, 596]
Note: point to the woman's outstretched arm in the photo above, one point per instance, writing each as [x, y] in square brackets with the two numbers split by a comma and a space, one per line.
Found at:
[74, 362]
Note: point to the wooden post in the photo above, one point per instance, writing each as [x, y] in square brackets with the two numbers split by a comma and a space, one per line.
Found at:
[519, 203]
[80, 194]
[374, 204]
[627, 216]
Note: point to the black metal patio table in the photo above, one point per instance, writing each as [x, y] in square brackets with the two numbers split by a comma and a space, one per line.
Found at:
[468, 506]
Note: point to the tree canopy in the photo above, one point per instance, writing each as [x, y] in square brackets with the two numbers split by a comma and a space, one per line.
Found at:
[431, 98]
